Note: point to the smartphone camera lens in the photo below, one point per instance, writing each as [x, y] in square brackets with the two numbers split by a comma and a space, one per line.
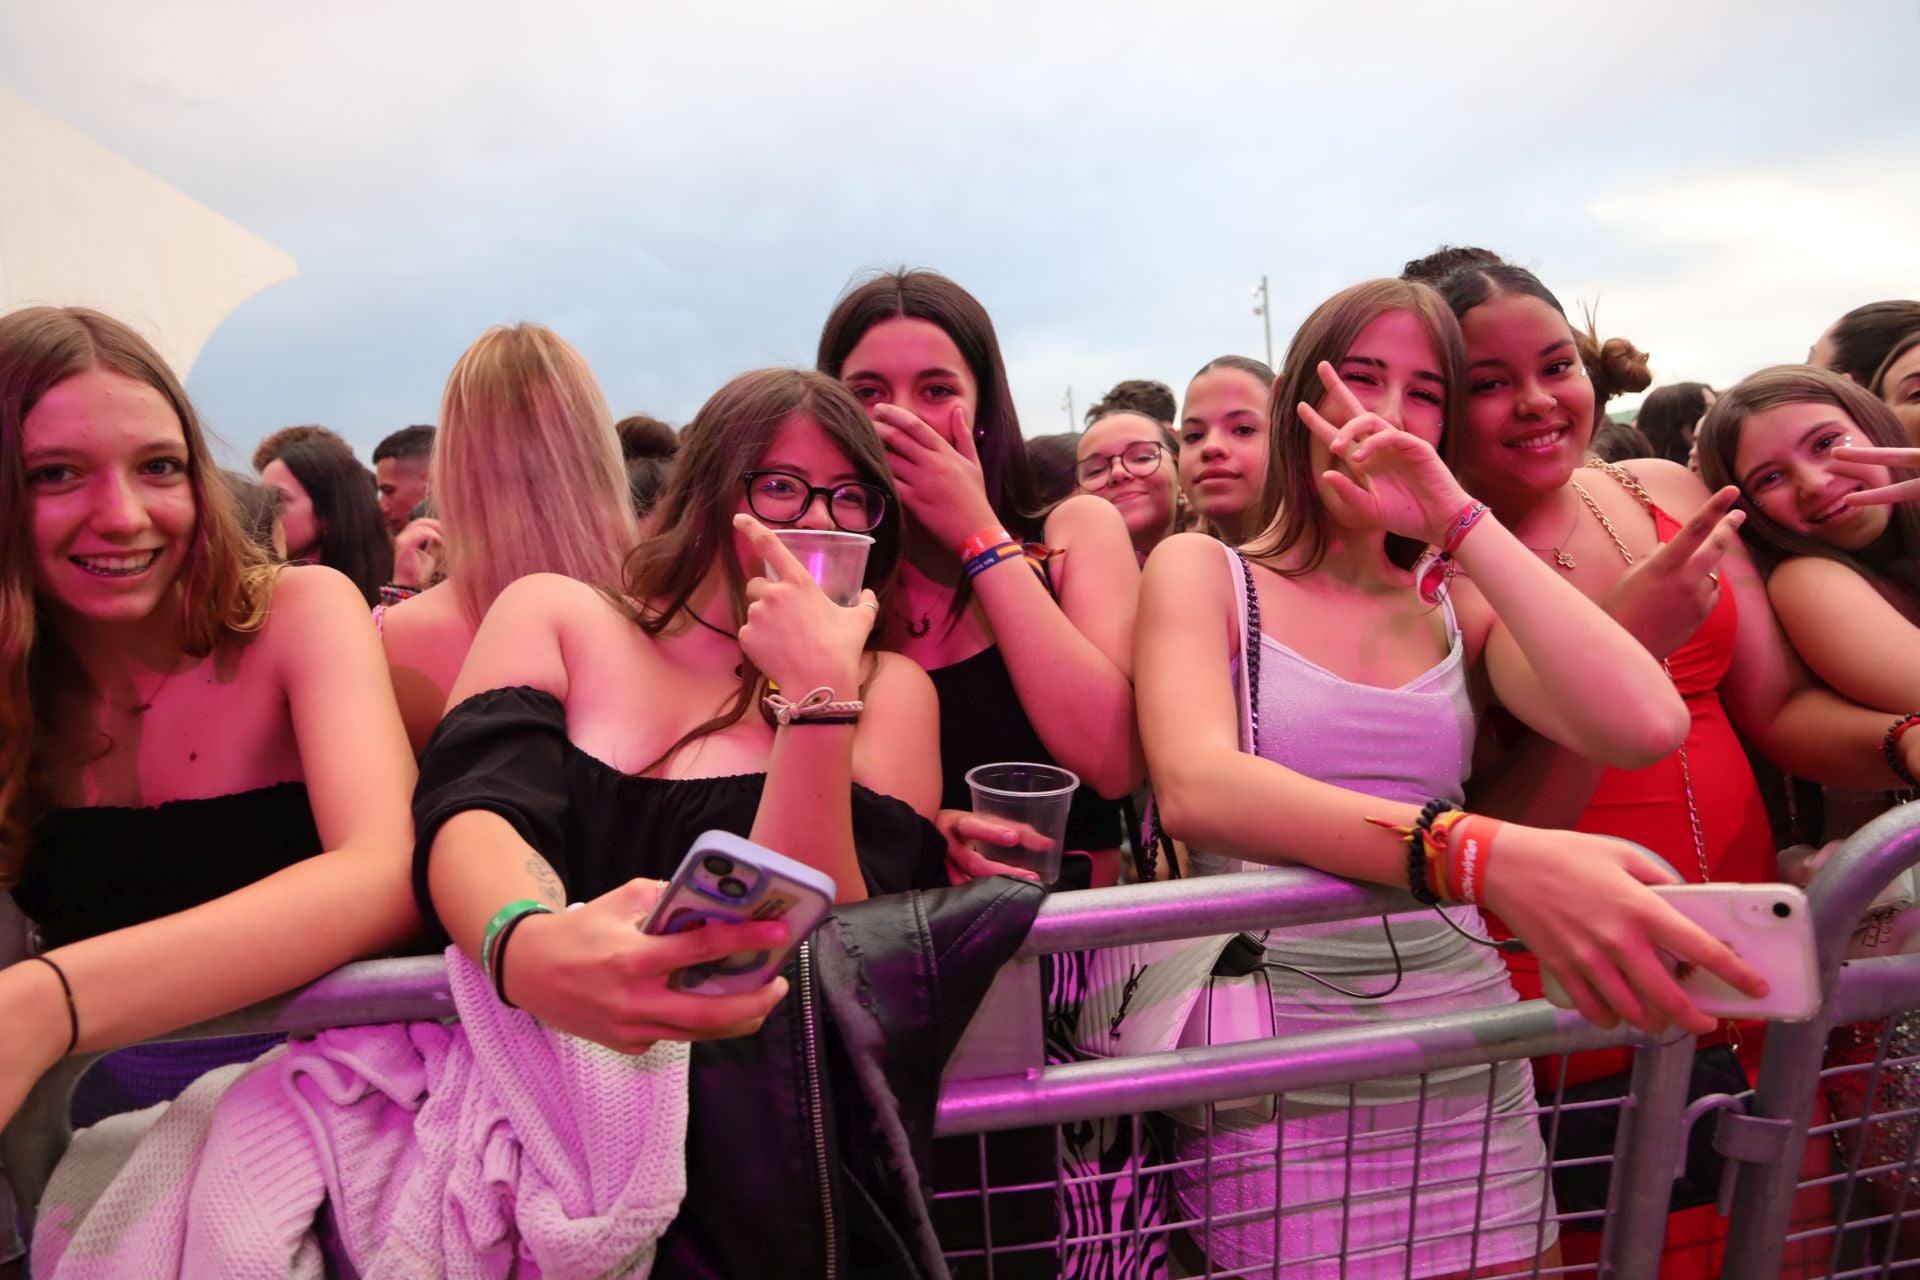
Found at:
[1782, 910]
[718, 864]
[732, 886]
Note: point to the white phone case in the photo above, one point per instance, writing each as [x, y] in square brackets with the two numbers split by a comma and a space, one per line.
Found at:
[725, 879]
[1770, 926]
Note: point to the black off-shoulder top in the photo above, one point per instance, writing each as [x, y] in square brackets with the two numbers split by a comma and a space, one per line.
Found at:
[506, 751]
[90, 871]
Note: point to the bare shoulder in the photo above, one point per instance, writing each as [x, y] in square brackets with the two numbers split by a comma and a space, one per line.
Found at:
[899, 676]
[1673, 488]
[1191, 557]
[429, 618]
[1806, 579]
[1086, 516]
[553, 601]
[311, 606]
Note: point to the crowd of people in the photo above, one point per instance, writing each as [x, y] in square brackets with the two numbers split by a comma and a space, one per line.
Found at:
[1408, 601]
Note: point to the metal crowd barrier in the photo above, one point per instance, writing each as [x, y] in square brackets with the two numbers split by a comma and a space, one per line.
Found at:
[1134, 1213]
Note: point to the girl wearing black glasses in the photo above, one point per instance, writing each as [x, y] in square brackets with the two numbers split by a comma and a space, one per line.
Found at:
[1131, 461]
[1029, 665]
[594, 735]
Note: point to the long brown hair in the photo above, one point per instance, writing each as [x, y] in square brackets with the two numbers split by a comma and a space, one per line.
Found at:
[1895, 574]
[225, 582]
[694, 520]
[1290, 512]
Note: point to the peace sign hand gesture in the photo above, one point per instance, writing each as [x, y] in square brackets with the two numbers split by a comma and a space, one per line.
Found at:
[1392, 479]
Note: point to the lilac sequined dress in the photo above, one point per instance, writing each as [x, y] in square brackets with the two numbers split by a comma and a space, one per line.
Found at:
[1479, 1150]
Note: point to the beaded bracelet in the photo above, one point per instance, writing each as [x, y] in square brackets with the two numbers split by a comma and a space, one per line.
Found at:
[1426, 859]
[1890, 748]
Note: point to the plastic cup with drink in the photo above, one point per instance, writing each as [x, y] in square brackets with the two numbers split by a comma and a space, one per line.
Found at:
[1033, 800]
[836, 561]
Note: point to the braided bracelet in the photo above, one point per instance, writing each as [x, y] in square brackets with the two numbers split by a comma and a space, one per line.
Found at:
[1426, 859]
[818, 707]
[1890, 748]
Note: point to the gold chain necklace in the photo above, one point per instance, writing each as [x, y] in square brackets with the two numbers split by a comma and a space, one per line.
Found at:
[1639, 491]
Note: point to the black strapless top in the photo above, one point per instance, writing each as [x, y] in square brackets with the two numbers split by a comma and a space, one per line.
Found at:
[506, 751]
[982, 722]
[93, 870]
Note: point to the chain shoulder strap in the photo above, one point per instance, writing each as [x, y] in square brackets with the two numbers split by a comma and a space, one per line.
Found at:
[1250, 653]
[1627, 480]
[1639, 491]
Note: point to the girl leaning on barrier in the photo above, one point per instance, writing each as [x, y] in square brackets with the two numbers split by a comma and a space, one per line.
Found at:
[1369, 674]
[1028, 666]
[593, 736]
[203, 779]
[1815, 459]
[1651, 545]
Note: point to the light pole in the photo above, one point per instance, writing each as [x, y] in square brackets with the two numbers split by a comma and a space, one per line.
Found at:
[1071, 420]
[1265, 312]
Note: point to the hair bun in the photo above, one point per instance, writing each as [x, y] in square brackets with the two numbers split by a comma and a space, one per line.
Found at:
[642, 436]
[1624, 367]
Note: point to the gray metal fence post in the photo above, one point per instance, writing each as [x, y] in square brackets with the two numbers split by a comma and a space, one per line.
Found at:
[1645, 1160]
[1790, 1066]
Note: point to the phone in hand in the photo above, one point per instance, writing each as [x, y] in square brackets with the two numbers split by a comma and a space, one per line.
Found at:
[726, 879]
[1770, 926]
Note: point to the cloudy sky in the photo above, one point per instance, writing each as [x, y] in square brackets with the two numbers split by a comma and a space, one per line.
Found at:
[683, 190]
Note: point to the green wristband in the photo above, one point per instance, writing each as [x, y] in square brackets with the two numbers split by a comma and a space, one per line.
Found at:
[501, 919]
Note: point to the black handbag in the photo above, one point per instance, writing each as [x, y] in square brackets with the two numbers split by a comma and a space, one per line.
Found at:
[1591, 1132]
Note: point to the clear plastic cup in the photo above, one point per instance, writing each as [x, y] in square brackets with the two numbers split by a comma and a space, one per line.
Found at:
[1031, 798]
[837, 561]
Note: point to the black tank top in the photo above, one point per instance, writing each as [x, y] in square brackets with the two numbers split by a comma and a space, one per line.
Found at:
[90, 871]
[981, 721]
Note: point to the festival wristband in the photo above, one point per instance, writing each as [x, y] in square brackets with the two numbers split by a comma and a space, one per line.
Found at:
[497, 971]
[1470, 854]
[992, 556]
[501, 919]
[981, 541]
[1460, 526]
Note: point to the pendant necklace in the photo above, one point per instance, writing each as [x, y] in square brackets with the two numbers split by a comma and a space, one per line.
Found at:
[139, 709]
[719, 631]
[1560, 555]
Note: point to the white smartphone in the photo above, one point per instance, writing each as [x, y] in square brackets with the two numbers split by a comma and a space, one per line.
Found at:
[726, 879]
[1770, 926]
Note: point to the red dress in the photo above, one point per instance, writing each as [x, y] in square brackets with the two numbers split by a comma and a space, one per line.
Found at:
[1649, 807]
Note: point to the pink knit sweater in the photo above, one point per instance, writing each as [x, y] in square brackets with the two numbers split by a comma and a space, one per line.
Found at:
[492, 1148]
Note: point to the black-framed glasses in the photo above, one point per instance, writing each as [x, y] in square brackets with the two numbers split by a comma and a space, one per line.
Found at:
[1140, 459]
[781, 497]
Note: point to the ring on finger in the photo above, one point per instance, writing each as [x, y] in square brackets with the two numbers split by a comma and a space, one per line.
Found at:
[1713, 577]
[870, 604]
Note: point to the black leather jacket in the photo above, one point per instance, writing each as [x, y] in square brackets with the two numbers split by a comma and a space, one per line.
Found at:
[808, 1143]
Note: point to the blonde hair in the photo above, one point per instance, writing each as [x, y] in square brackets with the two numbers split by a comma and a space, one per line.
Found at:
[225, 584]
[527, 476]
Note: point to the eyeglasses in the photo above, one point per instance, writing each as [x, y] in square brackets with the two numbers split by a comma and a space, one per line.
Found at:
[781, 497]
[1140, 460]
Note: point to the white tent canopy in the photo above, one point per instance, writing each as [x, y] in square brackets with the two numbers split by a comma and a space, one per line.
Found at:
[82, 227]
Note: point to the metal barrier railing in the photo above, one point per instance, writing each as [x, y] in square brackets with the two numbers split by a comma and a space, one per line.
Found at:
[1765, 1138]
